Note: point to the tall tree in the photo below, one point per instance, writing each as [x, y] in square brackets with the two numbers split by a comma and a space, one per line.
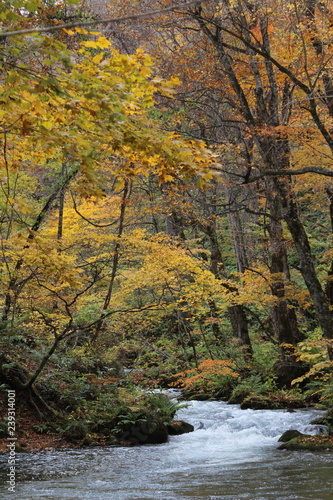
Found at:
[76, 114]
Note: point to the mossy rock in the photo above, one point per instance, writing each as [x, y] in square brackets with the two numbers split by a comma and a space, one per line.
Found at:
[75, 431]
[177, 427]
[238, 397]
[289, 435]
[308, 443]
[103, 427]
[21, 448]
[326, 420]
[197, 397]
[3, 430]
[87, 442]
[255, 403]
[111, 440]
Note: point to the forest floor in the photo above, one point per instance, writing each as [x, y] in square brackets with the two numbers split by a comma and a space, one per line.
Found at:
[27, 438]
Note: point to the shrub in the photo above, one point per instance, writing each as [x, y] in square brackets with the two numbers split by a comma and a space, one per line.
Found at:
[212, 378]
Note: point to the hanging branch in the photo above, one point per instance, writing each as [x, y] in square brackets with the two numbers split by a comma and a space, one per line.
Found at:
[129, 17]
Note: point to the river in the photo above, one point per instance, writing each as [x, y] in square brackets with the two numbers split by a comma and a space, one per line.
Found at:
[232, 454]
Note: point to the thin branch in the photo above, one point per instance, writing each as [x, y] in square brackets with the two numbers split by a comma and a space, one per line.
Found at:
[115, 260]
[88, 220]
[300, 171]
[278, 173]
[268, 57]
[107, 314]
[100, 21]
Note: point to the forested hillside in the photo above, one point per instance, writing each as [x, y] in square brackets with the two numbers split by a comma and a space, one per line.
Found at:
[166, 208]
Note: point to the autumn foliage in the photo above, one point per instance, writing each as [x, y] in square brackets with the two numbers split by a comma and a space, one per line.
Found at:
[165, 196]
[210, 377]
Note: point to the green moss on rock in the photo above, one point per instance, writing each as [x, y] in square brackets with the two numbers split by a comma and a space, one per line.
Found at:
[319, 442]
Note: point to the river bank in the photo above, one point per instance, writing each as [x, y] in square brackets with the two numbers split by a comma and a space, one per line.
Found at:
[231, 454]
[30, 436]
[30, 433]
[27, 438]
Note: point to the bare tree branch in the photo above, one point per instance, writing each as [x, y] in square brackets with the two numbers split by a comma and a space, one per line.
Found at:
[264, 172]
[130, 17]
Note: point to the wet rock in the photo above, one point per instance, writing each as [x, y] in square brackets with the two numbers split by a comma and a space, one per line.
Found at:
[308, 443]
[271, 402]
[141, 433]
[254, 403]
[296, 441]
[326, 420]
[289, 435]
[318, 429]
[177, 427]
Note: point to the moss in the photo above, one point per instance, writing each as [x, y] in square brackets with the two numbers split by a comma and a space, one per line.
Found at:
[291, 434]
[274, 401]
[198, 397]
[327, 419]
[319, 442]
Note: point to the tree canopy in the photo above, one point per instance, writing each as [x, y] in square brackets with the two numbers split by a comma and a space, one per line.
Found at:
[165, 196]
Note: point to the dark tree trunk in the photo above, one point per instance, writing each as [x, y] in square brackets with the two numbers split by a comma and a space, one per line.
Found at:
[283, 316]
[273, 151]
[237, 316]
[239, 323]
[329, 283]
[174, 225]
[297, 231]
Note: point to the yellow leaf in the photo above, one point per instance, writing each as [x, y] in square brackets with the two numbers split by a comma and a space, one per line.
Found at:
[82, 31]
[98, 58]
[103, 43]
[90, 43]
[48, 125]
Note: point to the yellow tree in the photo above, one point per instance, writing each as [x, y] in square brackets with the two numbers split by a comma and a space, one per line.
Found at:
[75, 114]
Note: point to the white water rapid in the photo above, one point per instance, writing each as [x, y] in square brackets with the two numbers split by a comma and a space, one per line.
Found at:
[232, 454]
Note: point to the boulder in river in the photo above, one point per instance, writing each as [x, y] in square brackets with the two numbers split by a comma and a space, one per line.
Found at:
[326, 420]
[141, 433]
[177, 427]
[296, 441]
[289, 435]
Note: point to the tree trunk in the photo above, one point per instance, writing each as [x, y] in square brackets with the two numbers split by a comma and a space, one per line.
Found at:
[115, 260]
[237, 229]
[283, 316]
[329, 283]
[236, 313]
[306, 261]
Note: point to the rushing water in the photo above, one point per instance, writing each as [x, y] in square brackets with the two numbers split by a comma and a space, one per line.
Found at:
[232, 454]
